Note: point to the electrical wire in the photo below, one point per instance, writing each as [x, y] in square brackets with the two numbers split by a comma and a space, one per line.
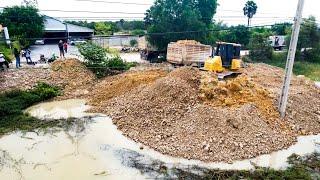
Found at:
[114, 2]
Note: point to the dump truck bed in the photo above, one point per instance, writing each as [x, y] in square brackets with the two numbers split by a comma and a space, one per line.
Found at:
[188, 53]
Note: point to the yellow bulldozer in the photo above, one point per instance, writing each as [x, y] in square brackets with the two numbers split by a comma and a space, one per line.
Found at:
[226, 60]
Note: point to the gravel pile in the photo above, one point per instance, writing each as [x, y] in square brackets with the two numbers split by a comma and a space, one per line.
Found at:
[70, 75]
[114, 86]
[73, 77]
[171, 117]
[303, 113]
[23, 78]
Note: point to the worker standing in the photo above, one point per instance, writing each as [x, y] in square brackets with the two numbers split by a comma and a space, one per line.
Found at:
[60, 45]
[65, 47]
[28, 56]
[17, 56]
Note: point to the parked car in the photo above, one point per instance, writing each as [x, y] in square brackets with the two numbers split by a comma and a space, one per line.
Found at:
[77, 41]
[39, 42]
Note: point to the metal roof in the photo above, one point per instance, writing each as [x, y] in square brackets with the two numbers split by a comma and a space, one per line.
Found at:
[75, 28]
[54, 25]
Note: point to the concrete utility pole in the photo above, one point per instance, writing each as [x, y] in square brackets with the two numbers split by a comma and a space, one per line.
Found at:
[290, 59]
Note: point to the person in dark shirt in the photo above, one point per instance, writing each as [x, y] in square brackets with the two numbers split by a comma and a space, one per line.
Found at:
[17, 56]
[60, 45]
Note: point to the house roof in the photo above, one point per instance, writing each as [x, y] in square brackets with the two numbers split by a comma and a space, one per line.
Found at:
[76, 28]
[54, 25]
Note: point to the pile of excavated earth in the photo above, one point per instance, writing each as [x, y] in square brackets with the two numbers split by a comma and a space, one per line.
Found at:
[186, 112]
[70, 75]
[189, 113]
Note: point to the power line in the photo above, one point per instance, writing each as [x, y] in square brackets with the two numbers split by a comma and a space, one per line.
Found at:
[114, 2]
[85, 11]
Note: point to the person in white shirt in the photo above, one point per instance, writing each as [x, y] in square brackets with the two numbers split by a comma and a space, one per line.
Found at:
[3, 62]
[28, 56]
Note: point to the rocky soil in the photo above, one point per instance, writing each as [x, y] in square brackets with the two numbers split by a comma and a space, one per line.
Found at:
[189, 114]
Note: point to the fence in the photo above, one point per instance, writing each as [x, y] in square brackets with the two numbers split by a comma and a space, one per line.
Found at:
[114, 41]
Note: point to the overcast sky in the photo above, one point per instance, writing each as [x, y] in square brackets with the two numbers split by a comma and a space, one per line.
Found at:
[229, 11]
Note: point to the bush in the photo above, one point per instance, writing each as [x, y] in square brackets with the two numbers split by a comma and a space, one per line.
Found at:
[101, 61]
[260, 49]
[93, 53]
[311, 55]
[6, 52]
[133, 43]
[138, 32]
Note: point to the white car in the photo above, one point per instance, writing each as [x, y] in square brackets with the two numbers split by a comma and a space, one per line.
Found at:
[77, 41]
[39, 42]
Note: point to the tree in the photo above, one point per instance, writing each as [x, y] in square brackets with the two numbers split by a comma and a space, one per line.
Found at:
[177, 17]
[281, 28]
[309, 40]
[260, 48]
[23, 22]
[249, 10]
[102, 28]
[236, 34]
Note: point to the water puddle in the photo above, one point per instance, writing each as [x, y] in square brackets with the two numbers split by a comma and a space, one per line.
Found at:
[95, 149]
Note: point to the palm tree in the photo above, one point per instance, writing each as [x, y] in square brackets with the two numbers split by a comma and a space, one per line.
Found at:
[249, 10]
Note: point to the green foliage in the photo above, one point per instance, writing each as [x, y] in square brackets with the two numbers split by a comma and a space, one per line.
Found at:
[308, 47]
[138, 32]
[23, 22]
[133, 43]
[281, 28]
[310, 70]
[93, 53]
[102, 28]
[260, 49]
[174, 16]
[131, 25]
[82, 23]
[6, 52]
[109, 27]
[102, 61]
[236, 34]
[250, 10]
[309, 36]
[14, 102]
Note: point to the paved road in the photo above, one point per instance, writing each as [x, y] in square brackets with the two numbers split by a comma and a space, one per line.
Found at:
[48, 49]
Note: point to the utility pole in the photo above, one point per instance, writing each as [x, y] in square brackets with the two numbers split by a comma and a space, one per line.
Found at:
[290, 59]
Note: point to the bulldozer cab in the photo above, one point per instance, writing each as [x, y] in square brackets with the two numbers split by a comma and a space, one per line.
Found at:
[228, 52]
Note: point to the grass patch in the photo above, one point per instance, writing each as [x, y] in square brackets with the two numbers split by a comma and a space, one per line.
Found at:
[308, 69]
[13, 103]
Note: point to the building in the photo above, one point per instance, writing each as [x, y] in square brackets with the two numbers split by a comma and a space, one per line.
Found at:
[56, 30]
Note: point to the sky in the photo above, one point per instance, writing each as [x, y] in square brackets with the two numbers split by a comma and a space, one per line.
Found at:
[228, 11]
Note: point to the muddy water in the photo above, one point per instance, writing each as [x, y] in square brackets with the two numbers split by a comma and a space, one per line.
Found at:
[95, 149]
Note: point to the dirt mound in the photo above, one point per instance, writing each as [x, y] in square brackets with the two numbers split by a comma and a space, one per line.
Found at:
[169, 116]
[72, 76]
[236, 92]
[117, 85]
